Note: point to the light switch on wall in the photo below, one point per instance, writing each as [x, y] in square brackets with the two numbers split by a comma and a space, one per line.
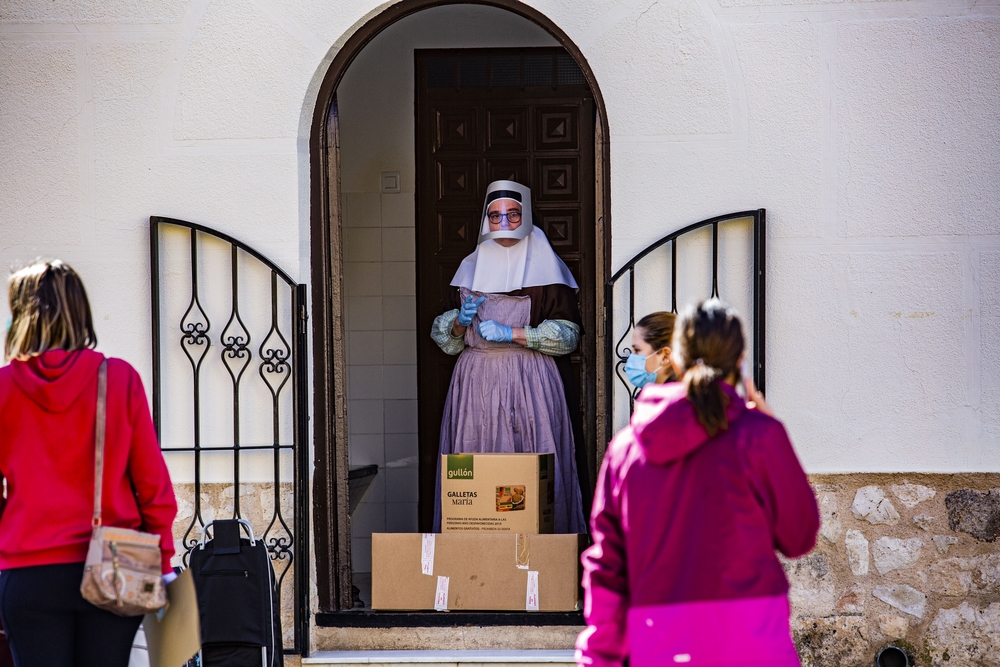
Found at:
[390, 182]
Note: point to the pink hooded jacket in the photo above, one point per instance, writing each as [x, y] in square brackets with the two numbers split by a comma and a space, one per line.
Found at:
[683, 567]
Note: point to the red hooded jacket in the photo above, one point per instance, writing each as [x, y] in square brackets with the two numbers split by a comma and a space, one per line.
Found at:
[47, 409]
[685, 527]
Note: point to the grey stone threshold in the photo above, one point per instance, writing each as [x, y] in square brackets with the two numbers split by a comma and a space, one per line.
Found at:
[531, 657]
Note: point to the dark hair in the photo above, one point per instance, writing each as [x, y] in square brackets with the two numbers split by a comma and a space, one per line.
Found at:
[49, 311]
[657, 329]
[708, 343]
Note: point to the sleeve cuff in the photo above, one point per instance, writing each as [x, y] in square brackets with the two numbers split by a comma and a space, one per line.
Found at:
[533, 337]
[441, 333]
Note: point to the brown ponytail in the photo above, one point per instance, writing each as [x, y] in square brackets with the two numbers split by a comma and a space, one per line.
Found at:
[708, 342]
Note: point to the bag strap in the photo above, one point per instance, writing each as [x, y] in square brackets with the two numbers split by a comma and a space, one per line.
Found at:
[99, 428]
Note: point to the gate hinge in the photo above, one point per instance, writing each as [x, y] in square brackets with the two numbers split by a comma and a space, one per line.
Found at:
[303, 318]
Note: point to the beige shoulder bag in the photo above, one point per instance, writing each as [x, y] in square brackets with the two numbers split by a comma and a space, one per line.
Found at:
[122, 572]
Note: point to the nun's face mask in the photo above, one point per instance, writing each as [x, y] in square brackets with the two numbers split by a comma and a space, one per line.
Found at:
[504, 215]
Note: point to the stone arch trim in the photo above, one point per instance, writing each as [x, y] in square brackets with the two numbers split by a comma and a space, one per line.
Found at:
[331, 525]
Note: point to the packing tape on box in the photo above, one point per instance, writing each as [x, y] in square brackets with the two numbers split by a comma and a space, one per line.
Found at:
[441, 594]
[427, 553]
[521, 552]
[531, 599]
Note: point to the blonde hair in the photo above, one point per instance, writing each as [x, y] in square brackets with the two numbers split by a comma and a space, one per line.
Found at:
[49, 311]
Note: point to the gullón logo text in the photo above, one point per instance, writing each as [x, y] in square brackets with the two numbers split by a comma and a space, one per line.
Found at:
[460, 466]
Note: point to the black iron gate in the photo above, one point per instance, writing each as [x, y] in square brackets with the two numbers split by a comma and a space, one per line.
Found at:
[618, 352]
[197, 405]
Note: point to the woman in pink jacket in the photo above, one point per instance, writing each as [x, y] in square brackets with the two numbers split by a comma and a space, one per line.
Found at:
[693, 499]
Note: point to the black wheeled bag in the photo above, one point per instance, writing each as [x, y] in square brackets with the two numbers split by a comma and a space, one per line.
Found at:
[237, 599]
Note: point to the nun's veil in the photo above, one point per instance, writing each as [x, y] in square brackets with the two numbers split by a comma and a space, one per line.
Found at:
[531, 262]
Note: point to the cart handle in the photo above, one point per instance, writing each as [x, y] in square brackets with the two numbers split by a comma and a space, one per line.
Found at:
[243, 522]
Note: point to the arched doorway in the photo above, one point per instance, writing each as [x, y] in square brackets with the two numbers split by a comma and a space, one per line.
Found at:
[331, 387]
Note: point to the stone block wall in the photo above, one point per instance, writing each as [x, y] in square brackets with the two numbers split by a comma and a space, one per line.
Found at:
[904, 559]
[256, 506]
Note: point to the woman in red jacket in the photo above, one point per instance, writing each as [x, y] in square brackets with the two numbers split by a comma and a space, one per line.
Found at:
[48, 398]
[693, 499]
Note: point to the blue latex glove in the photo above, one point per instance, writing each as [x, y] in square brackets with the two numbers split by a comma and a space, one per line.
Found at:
[469, 310]
[496, 332]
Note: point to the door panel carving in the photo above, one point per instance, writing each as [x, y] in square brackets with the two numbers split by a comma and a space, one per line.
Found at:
[457, 181]
[557, 179]
[507, 169]
[454, 231]
[561, 227]
[557, 128]
[456, 130]
[508, 130]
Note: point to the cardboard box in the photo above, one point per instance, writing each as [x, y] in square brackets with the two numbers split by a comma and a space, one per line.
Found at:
[476, 572]
[498, 493]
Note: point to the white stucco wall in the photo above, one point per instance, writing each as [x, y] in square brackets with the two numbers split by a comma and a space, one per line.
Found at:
[869, 130]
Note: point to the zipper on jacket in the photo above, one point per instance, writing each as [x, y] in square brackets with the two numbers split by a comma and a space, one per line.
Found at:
[226, 573]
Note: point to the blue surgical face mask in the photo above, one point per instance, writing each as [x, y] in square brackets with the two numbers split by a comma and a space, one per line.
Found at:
[635, 371]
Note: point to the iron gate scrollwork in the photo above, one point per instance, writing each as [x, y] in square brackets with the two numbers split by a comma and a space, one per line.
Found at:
[618, 352]
[280, 317]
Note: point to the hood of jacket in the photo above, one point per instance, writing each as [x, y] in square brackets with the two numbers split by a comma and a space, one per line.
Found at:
[55, 379]
[666, 426]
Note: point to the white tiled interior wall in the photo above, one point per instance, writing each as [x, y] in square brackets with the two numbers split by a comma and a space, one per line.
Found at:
[380, 284]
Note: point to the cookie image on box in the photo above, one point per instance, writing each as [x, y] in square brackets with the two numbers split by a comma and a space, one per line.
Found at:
[510, 498]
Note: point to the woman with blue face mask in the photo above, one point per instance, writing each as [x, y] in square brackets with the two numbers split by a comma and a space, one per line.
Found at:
[649, 362]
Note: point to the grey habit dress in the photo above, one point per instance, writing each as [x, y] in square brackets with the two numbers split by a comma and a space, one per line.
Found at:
[507, 398]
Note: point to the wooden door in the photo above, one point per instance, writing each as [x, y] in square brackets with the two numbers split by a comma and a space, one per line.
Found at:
[483, 115]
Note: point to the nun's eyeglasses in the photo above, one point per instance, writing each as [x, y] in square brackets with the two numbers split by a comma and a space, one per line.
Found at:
[512, 216]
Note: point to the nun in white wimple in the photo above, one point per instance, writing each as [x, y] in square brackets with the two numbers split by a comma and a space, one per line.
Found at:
[516, 319]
